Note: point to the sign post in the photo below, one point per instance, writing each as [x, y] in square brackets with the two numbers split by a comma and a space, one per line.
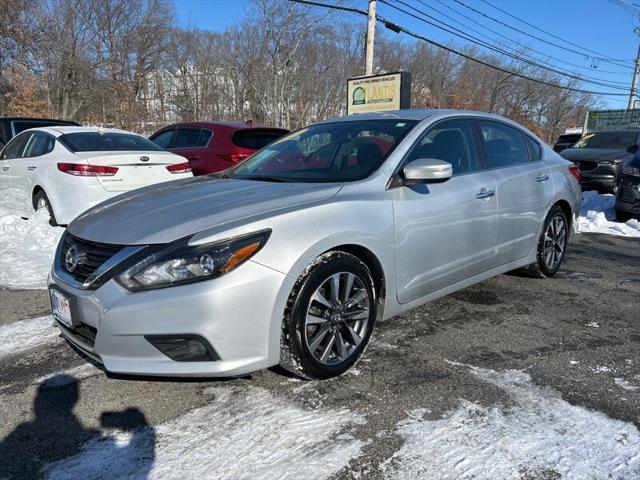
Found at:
[377, 93]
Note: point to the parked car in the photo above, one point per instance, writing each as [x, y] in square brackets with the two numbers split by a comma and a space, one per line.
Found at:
[566, 140]
[600, 157]
[628, 194]
[291, 256]
[69, 169]
[12, 126]
[214, 146]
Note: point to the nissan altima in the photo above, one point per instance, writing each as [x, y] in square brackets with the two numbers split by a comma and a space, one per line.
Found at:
[292, 256]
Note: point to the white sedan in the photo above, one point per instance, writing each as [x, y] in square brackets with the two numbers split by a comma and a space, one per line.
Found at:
[70, 169]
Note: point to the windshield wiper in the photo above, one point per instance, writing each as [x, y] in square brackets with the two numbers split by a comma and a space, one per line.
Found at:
[264, 178]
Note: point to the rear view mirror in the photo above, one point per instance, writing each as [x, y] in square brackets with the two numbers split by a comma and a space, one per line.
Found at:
[427, 170]
[632, 149]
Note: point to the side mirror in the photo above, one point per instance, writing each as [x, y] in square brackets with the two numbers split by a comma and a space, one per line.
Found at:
[632, 149]
[427, 170]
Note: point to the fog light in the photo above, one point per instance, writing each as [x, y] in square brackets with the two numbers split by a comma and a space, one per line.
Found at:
[184, 348]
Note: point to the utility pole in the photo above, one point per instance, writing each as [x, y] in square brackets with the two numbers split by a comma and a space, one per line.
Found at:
[371, 35]
[634, 81]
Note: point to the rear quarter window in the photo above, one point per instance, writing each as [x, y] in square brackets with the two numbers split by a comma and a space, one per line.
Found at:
[255, 139]
[535, 150]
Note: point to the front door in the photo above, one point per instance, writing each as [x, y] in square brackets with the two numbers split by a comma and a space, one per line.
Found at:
[445, 232]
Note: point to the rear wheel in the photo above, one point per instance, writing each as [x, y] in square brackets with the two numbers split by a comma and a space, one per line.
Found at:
[330, 317]
[40, 202]
[552, 244]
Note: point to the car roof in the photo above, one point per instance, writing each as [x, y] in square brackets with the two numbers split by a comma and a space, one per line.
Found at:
[415, 114]
[56, 130]
[234, 125]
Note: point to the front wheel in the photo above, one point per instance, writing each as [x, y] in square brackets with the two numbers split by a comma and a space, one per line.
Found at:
[552, 244]
[330, 317]
[623, 217]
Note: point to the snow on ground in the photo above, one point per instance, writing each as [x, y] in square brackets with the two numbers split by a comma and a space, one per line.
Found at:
[597, 215]
[241, 434]
[24, 335]
[27, 248]
[539, 435]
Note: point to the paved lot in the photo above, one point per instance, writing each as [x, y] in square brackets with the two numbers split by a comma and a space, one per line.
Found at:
[578, 334]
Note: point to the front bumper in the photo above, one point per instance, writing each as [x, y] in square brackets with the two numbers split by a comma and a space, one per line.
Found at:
[602, 176]
[628, 195]
[238, 314]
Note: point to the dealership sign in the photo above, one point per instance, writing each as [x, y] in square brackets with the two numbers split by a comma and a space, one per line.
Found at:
[376, 93]
[607, 120]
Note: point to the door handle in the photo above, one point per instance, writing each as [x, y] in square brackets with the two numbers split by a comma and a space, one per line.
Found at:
[31, 167]
[542, 178]
[6, 168]
[484, 194]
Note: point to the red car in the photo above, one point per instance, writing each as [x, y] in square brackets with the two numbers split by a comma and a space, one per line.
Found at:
[214, 146]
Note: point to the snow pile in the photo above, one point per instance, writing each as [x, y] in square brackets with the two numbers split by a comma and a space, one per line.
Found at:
[597, 215]
[24, 335]
[539, 436]
[241, 434]
[27, 248]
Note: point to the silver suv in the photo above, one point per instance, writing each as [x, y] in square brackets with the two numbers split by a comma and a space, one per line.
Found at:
[291, 256]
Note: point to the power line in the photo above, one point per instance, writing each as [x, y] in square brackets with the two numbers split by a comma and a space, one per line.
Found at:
[475, 40]
[398, 28]
[601, 58]
[509, 39]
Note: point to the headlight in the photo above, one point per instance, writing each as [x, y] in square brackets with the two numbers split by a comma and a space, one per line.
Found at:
[179, 263]
[629, 170]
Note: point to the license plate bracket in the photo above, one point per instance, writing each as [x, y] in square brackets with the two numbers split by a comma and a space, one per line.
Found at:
[62, 307]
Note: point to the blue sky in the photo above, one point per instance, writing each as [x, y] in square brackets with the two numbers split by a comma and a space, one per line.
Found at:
[599, 25]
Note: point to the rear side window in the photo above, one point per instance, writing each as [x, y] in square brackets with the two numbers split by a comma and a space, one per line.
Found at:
[535, 151]
[452, 141]
[504, 145]
[106, 142]
[255, 139]
[191, 138]
[39, 144]
[163, 139]
[15, 147]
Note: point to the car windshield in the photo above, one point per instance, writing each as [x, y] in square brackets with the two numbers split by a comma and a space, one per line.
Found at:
[330, 152]
[106, 142]
[618, 140]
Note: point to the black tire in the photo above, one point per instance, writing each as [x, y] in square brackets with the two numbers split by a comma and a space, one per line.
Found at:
[40, 200]
[623, 216]
[296, 356]
[541, 268]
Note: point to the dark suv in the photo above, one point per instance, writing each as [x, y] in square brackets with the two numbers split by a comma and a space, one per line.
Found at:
[600, 156]
[214, 146]
[11, 126]
[628, 195]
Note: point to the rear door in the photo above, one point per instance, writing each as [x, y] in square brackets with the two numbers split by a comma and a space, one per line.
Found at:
[445, 232]
[524, 187]
[31, 165]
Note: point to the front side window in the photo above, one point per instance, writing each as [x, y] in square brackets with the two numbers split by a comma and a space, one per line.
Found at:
[617, 140]
[330, 152]
[163, 139]
[15, 147]
[452, 141]
[504, 145]
[106, 142]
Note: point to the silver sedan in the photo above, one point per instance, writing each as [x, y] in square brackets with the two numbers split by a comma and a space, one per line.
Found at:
[292, 256]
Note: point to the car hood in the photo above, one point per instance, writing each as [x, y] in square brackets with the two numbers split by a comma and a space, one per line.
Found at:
[594, 154]
[168, 211]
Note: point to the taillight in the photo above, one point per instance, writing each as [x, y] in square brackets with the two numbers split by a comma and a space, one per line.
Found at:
[84, 170]
[575, 171]
[180, 168]
[235, 157]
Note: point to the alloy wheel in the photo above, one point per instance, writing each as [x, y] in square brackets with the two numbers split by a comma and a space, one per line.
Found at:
[337, 318]
[555, 242]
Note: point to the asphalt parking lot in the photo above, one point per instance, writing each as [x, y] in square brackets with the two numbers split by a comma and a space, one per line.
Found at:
[437, 391]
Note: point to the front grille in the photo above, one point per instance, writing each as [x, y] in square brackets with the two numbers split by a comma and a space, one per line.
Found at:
[83, 332]
[586, 166]
[94, 255]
